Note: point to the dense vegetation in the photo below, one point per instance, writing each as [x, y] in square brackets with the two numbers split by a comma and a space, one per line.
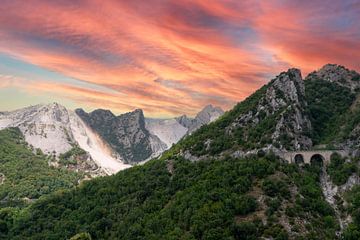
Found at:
[178, 199]
[25, 175]
[353, 230]
[341, 169]
[328, 106]
[70, 156]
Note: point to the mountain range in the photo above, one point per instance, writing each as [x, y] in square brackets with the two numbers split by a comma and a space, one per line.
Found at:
[222, 180]
[112, 143]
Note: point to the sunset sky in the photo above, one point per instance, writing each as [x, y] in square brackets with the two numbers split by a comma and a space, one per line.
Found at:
[166, 57]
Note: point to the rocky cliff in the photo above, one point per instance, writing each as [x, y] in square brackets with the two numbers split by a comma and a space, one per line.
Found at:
[125, 133]
[57, 131]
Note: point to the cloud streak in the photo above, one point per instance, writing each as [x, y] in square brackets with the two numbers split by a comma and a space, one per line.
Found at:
[174, 57]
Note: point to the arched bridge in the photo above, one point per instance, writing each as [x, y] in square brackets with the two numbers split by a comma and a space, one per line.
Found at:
[301, 157]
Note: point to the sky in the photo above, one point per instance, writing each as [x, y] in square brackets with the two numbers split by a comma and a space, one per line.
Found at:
[167, 57]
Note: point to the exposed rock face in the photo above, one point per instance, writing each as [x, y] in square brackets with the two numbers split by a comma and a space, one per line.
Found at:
[126, 133]
[170, 131]
[44, 126]
[56, 130]
[283, 104]
[185, 121]
[288, 92]
[208, 114]
[338, 74]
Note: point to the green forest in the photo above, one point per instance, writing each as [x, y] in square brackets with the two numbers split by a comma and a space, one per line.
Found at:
[215, 199]
[25, 173]
[231, 198]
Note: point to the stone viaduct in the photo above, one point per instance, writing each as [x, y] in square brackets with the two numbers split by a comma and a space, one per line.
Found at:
[310, 157]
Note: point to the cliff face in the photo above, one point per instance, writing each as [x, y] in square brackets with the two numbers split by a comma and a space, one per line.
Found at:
[282, 108]
[126, 133]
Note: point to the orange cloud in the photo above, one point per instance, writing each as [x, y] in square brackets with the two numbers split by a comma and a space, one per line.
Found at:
[172, 56]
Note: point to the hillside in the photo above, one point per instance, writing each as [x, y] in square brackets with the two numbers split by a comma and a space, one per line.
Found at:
[286, 114]
[24, 175]
[225, 181]
[177, 199]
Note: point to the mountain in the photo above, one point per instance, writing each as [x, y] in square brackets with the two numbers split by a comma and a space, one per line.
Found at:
[136, 138]
[126, 133]
[170, 131]
[227, 180]
[338, 74]
[275, 117]
[110, 143]
[57, 131]
[24, 175]
[208, 114]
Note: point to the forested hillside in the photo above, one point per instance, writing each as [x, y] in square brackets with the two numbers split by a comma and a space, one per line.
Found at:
[24, 175]
[225, 180]
[177, 199]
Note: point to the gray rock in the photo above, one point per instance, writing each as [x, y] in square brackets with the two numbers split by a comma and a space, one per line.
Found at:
[337, 74]
[126, 133]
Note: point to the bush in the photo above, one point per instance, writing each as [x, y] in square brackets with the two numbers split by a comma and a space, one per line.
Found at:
[245, 204]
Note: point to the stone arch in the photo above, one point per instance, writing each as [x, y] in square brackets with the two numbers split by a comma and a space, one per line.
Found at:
[317, 160]
[299, 159]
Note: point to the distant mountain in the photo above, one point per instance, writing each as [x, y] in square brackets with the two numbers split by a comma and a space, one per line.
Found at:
[208, 114]
[111, 143]
[136, 138]
[170, 131]
[126, 134]
[56, 131]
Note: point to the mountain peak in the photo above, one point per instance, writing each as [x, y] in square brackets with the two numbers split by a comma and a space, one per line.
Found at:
[208, 114]
[337, 74]
[288, 85]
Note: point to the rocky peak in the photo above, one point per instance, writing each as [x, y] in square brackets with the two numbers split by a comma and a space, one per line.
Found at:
[125, 133]
[283, 104]
[288, 86]
[56, 112]
[337, 74]
[136, 114]
[184, 120]
[208, 114]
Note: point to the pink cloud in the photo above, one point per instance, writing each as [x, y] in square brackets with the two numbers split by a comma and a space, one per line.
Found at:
[173, 56]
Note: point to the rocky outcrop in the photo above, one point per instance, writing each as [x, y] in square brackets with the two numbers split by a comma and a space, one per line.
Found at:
[208, 114]
[126, 133]
[280, 114]
[337, 74]
[46, 127]
[288, 93]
